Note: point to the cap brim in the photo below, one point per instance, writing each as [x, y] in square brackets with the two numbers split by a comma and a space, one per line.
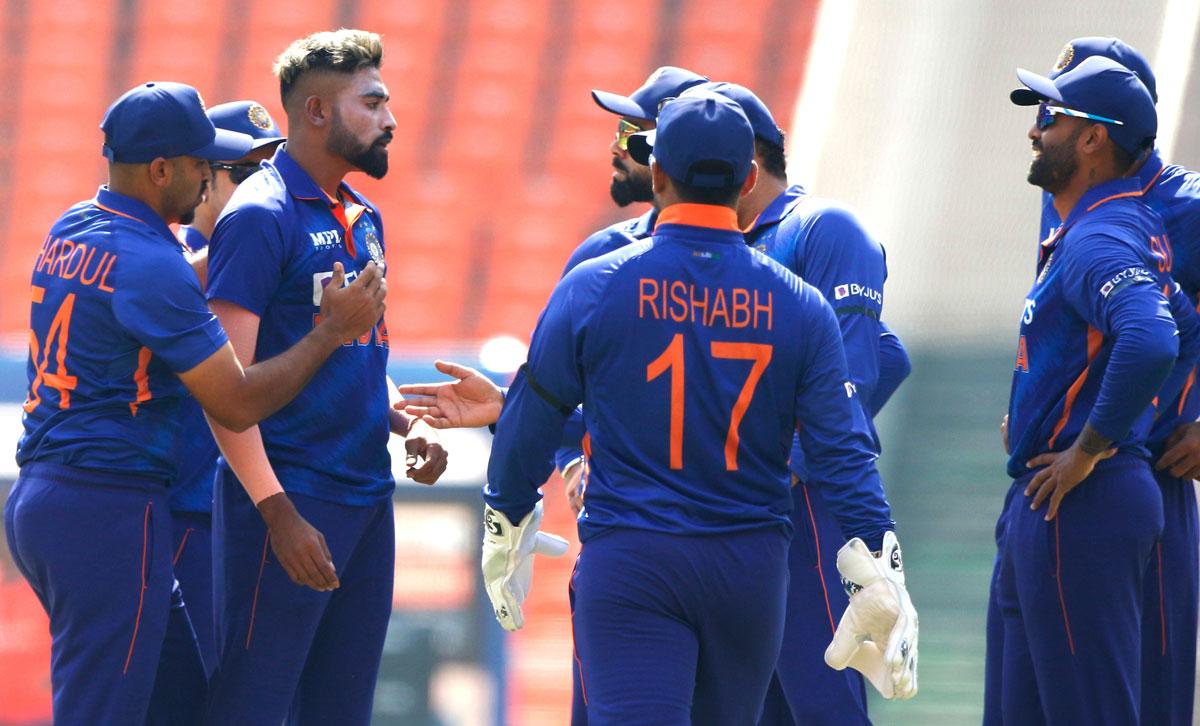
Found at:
[640, 146]
[260, 143]
[227, 146]
[620, 105]
[1038, 88]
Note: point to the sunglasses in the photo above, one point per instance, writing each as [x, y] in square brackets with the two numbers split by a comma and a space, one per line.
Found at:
[1046, 114]
[625, 129]
[238, 173]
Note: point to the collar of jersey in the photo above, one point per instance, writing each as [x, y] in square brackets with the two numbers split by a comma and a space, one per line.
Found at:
[301, 186]
[1151, 170]
[708, 217]
[1096, 197]
[779, 208]
[643, 226]
[135, 209]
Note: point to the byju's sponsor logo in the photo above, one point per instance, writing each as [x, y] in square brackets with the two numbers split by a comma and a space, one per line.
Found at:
[1124, 278]
[853, 289]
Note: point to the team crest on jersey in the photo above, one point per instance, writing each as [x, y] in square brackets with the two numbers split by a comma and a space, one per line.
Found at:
[259, 116]
[374, 248]
[1064, 58]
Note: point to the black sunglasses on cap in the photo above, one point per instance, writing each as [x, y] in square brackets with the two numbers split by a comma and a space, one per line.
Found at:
[238, 173]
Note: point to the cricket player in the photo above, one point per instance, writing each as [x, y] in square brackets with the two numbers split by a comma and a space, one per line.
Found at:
[1098, 341]
[692, 385]
[119, 334]
[300, 638]
[1170, 605]
[191, 492]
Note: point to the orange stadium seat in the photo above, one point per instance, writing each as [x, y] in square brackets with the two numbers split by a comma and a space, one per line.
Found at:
[181, 41]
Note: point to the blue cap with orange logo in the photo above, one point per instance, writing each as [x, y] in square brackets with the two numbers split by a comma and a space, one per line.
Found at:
[703, 139]
[663, 84]
[1081, 49]
[250, 118]
[165, 119]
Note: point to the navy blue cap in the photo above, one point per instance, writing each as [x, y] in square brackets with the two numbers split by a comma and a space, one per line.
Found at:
[165, 119]
[663, 84]
[1080, 49]
[703, 139]
[247, 117]
[760, 116]
[1103, 87]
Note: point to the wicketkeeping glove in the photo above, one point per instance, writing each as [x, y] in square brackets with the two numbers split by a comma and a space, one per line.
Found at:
[877, 635]
[508, 552]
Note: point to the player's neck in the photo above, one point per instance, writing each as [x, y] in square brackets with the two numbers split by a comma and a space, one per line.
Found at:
[1082, 182]
[326, 169]
[765, 191]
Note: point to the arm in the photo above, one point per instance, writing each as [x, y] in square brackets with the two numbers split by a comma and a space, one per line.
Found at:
[1187, 322]
[300, 548]
[894, 368]
[834, 435]
[424, 455]
[238, 397]
[199, 263]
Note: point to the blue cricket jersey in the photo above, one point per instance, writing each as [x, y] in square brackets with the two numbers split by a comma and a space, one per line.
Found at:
[271, 253]
[825, 245]
[1097, 338]
[613, 237]
[1174, 193]
[117, 312]
[696, 359]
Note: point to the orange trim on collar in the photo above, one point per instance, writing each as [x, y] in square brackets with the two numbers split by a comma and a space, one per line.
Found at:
[110, 210]
[1137, 193]
[1161, 169]
[699, 215]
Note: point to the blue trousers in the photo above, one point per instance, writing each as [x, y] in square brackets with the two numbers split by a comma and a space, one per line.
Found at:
[673, 629]
[290, 653]
[95, 547]
[1068, 596]
[191, 543]
[804, 691]
[1169, 610]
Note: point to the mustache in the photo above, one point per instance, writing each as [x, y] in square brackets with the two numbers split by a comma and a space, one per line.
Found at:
[619, 166]
[385, 137]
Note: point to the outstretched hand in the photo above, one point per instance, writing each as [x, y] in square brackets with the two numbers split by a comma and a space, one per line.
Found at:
[469, 401]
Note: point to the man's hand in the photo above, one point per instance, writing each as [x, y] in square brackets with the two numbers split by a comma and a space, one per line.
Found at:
[424, 456]
[1182, 457]
[471, 400]
[1004, 433]
[508, 552]
[1064, 470]
[355, 309]
[572, 477]
[298, 546]
[878, 632]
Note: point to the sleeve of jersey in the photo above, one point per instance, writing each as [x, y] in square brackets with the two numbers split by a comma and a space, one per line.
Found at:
[1187, 322]
[571, 446]
[834, 435]
[158, 300]
[848, 267]
[543, 395]
[894, 368]
[1118, 295]
[246, 258]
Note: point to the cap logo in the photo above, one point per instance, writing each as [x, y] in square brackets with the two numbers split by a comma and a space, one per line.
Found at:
[1064, 58]
[259, 116]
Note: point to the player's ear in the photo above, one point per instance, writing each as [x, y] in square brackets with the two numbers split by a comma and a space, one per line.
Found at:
[751, 180]
[316, 111]
[160, 172]
[1093, 139]
[658, 178]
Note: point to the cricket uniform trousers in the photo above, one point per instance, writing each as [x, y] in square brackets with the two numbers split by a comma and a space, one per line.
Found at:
[1070, 595]
[804, 689]
[1169, 610]
[678, 629]
[191, 548]
[95, 547]
[288, 653]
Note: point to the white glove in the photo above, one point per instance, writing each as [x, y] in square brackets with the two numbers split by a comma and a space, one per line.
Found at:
[877, 635]
[508, 560]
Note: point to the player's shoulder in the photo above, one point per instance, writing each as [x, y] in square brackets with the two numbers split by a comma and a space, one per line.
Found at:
[608, 264]
[830, 219]
[610, 238]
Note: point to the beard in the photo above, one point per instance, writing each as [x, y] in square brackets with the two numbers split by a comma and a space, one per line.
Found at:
[1055, 165]
[634, 188]
[371, 158]
[190, 215]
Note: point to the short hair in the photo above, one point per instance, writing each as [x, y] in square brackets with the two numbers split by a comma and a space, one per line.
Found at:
[774, 160]
[337, 51]
[726, 196]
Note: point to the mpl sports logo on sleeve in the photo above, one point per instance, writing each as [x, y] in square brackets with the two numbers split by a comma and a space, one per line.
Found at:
[853, 289]
[1124, 279]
